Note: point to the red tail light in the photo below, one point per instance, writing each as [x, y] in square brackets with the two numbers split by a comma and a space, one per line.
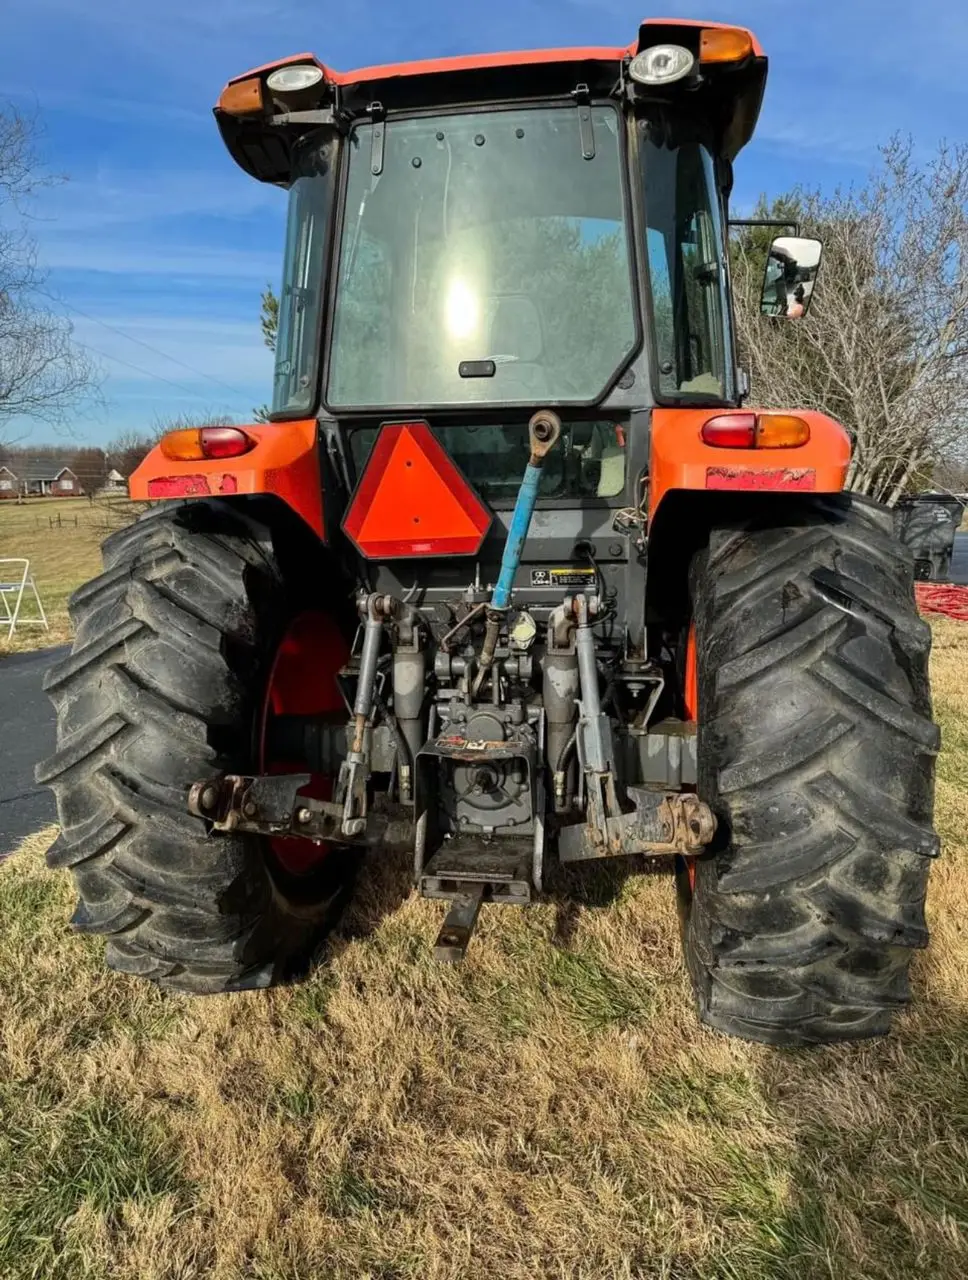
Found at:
[198, 443]
[730, 431]
[225, 442]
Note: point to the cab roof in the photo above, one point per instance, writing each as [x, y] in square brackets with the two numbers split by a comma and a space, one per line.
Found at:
[259, 141]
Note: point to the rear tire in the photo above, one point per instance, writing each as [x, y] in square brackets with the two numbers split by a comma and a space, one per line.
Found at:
[816, 752]
[165, 686]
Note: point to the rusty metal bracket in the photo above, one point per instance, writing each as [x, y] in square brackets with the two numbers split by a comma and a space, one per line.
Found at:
[660, 824]
[272, 806]
[544, 431]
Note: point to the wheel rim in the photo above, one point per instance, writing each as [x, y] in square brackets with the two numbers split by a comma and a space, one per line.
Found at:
[302, 681]
[686, 867]
[690, 690]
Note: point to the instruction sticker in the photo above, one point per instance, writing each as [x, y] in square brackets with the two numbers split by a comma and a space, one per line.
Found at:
[569, 576]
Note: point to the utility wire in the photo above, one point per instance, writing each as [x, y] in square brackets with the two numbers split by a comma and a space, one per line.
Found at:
[148, 347]
[159, 377]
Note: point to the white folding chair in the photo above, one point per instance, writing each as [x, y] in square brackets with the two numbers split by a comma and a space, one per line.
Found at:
[15, 579]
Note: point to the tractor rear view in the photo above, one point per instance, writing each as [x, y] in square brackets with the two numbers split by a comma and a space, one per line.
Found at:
[512, 575]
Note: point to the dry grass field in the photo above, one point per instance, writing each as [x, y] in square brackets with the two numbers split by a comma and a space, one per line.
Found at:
[551, 1109]
[61, 537]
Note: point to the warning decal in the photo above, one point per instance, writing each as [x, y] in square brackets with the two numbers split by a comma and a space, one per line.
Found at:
[568, 576]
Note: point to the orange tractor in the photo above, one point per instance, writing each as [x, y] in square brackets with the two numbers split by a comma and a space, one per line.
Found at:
[512, 577]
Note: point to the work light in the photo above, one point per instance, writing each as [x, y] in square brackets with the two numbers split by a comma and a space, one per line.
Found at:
[662, 64]
[294, 79]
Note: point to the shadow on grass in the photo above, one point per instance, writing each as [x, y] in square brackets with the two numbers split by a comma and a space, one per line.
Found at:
[593, 886]
[384, 882]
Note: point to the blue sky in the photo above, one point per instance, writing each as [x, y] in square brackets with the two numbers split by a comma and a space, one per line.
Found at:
[159, 236]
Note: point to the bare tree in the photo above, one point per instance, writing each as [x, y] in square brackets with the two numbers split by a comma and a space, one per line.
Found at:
[885, 347]
[950, 476]
[42, 369]
[90, 465]
[128, 450]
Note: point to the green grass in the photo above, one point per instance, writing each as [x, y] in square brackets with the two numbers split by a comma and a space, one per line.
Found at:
[597, 996]
[550, 1109]
[59, 1166]
[61, 537]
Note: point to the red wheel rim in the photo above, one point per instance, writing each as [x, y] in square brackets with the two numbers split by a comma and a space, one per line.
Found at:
[690, 698]
[690, 691]
[302, 682]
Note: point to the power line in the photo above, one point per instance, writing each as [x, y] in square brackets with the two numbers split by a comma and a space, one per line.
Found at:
[159, 377]
[148, 347]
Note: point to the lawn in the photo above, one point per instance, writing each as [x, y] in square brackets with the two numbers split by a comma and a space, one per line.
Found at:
[61, 537]
[550, 1109]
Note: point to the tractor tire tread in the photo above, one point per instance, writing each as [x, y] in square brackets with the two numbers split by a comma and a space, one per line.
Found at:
[816, 751]
[157, 692]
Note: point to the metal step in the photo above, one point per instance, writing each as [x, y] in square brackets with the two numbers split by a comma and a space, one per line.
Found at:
[500, 868]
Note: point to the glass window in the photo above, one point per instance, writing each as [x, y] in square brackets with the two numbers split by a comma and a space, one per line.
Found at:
[487, 238]
[588, 461]
[688, 271]
[303, 280]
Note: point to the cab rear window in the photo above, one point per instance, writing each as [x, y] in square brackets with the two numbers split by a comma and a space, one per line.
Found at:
[588, 462]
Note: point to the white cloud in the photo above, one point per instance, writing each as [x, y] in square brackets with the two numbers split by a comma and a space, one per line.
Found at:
[198, 341]
[229, 368]
[221, 362]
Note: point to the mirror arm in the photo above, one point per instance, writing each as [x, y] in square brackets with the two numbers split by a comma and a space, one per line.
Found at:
[766, 222]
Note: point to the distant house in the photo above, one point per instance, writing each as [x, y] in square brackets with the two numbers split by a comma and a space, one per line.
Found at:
[9, 484]
[114, 482]
[49, 478]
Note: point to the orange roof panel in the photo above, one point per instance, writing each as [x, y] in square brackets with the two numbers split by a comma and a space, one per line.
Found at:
[485, 61]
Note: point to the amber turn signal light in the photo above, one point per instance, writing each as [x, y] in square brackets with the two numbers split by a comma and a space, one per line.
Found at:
[755, 431]
[242, 98]
[724, 44]
[205, 444]
[781, 431]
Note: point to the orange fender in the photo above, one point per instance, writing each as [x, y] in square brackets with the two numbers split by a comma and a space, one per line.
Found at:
[681, 459]
[284, 462]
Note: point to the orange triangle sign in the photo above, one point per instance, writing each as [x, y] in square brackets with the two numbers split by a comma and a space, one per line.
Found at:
[413, 501]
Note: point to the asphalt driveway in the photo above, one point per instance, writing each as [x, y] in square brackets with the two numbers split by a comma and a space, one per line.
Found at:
[26, 736]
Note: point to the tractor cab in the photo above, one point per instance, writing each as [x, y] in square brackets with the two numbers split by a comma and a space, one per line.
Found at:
[472, 240]
[486, 236]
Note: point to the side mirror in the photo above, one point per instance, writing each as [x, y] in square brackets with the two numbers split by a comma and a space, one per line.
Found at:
[791, 274]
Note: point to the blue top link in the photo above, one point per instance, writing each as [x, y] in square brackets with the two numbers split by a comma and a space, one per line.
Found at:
[520, 523]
